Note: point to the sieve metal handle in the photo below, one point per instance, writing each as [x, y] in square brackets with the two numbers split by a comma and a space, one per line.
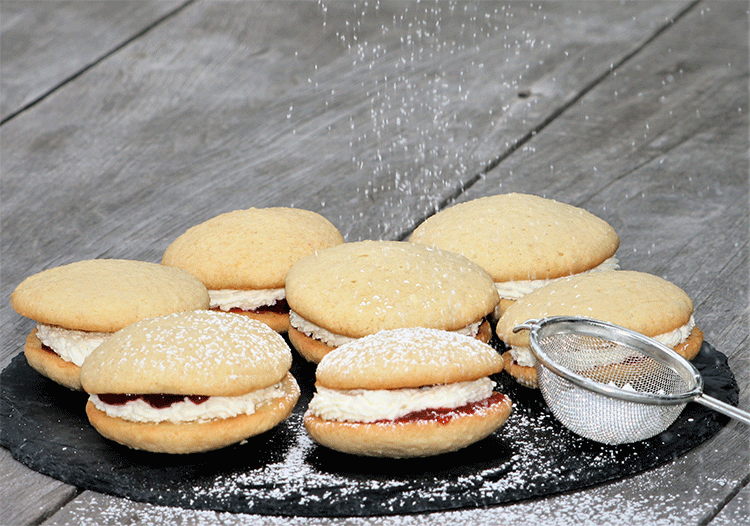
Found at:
[528, 325]
[724, 408]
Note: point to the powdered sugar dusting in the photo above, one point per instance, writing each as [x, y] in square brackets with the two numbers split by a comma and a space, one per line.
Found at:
[283, 477]
[310, 487]
[358, 288]
[407, 358]
[608, 504]
[530, 456]
[200, 352]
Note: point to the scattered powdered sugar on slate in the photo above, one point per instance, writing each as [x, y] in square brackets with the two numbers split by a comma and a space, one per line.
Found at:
[283, 477]
[529, 456]
[607, 504]
[296, 481]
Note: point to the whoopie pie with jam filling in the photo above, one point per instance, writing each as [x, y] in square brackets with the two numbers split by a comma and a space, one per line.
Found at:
[411, 392]
[189, 382]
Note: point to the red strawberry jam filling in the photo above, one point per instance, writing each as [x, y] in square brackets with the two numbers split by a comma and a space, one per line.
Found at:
[158, 401]
[443, 415]
[280, 307]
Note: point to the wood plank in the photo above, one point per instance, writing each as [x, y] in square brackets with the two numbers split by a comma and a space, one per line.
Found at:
[44, 43]
[665, 165]
[41, 495]
[166, 147]
[736, 511]
[276, 154]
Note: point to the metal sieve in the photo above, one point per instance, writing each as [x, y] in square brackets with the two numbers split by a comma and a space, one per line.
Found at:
[611, 384]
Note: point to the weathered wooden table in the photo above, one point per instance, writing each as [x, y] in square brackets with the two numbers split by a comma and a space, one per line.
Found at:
[125, 122]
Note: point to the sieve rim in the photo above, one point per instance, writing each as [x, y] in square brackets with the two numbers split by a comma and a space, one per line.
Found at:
[553, 325]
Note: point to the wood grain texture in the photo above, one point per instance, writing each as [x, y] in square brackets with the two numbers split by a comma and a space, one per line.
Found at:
[375, 115]
[224, 107]
[44, 43]
[231, 105]
[735, 512]
[665, 165]
[27, 496]
[609, 504]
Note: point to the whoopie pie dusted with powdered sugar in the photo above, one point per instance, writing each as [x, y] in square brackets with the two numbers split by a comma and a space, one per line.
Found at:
[524, 241]
[356, 289]
[406, 393]
[79, 305]
[635, 300]
[189, 382]
[243, 256]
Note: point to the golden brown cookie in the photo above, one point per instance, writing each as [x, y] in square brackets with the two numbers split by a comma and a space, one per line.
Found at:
[189, 382]
[502, 305]
[356, 289]
[311, 349]
[692, 344]
[406, 439]
[250, 249]
[105, 295]
[277, 320]
[79, 305]
[524, 375]
[407, 358]
[406, 393]
[635, 300]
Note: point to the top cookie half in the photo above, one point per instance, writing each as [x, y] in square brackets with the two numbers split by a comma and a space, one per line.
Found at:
[635, 300]
[105, 295]
[356, 289]
[407, 358]
[190, 353]
[250, 249]
[521, 237]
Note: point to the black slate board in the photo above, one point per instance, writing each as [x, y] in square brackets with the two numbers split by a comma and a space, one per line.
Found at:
[282, 472]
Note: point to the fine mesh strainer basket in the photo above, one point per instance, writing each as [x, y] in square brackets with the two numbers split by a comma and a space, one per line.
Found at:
[611, 384]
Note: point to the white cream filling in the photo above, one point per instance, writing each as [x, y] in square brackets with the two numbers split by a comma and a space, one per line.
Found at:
[226, 299]
[523, 355]
[215, 407]
[335, 340]
[365, 405]
[71, 345]
[513, 290]
[677, 336]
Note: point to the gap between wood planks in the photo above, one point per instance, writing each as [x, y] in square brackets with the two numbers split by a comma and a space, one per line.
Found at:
[99, 60]
[727, 499]
[52, 512]
[552, 116]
